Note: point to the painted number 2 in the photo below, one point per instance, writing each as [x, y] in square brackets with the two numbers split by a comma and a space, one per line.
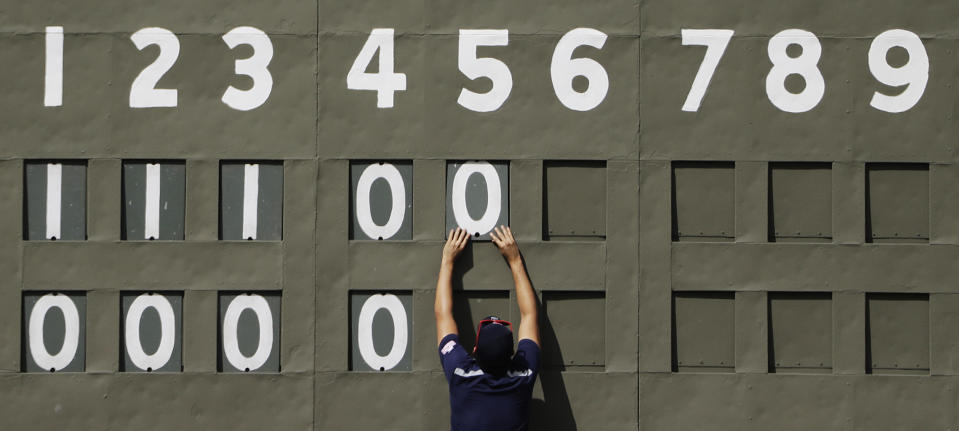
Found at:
[143, 91]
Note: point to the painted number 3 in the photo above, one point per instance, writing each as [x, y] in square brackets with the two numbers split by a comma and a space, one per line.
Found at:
[913, 75]
[143, 91]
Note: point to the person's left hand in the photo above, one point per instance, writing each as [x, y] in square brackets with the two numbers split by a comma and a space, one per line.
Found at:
[455, 243]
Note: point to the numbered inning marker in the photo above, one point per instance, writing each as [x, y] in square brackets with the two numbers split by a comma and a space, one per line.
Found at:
[151, 335]
[55, 198]
[54, 334]
[477, 196]
[249, 332]
[381, 200]
[153, 200]
[380, 328]
[251, 201]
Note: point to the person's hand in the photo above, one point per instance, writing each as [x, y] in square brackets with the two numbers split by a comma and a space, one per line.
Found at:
[455, 243]
[502, 236]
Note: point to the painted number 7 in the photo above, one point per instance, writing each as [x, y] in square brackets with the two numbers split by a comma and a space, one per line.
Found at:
[715, 42]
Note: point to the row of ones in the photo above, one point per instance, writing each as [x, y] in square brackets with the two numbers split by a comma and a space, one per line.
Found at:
[251, 199]
[151, 331]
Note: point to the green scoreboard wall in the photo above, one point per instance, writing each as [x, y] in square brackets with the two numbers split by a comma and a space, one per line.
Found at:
[229, 215]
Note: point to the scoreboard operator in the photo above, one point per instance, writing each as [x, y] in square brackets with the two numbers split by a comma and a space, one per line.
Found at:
[490, 390]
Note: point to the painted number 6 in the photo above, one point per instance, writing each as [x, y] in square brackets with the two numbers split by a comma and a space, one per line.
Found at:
[563, 68]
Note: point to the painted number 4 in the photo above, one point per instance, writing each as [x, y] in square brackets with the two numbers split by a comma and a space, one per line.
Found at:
[385, 82]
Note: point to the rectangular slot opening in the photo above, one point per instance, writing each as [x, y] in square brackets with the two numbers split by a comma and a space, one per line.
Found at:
[573, 330]
[574, 201]
[800, 202]
[703, 201]
[897, 333]
[897, 202]
[800, 332]
[704, 332]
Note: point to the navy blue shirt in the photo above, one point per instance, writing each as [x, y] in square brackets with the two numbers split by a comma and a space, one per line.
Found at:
[485, 402]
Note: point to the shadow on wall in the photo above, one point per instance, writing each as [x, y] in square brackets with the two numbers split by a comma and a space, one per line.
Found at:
[553, 412]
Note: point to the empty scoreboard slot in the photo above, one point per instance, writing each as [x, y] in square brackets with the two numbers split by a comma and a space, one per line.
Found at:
[703, 201]
[897, 202]
[800, 202]
[897, 333]
[573, 331]
[800, 332]
[703, 333]
[574, 200]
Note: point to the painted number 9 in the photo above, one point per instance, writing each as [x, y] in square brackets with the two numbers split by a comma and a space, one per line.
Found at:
[914, 74]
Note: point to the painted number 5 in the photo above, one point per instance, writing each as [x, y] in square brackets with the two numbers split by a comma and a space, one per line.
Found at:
[255, 67]
[474, 68]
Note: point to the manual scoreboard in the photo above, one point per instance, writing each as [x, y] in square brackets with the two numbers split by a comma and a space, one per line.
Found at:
[736, 215]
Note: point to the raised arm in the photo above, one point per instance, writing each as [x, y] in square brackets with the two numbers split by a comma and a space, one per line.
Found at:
[529, 312]
[443, 307]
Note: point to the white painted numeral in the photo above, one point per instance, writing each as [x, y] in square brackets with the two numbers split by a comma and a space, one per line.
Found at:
[488, 221]
[251, 198]
[805, 65]
[54, 199]
[131, 332]
[914, 74]
[143, 91]
[71, 332]
[491, 68]
[255, 67]
[151, 211]
[563, 68]
[385, 82]
[715, 41]
[364, 218]
[53, 78]
[231, 320]
[392, 304]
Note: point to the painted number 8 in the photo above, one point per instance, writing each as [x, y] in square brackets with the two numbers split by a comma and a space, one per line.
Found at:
[804, 65]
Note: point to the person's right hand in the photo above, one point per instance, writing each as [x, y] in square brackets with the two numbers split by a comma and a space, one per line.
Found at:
[502, 236]
[455, 243]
